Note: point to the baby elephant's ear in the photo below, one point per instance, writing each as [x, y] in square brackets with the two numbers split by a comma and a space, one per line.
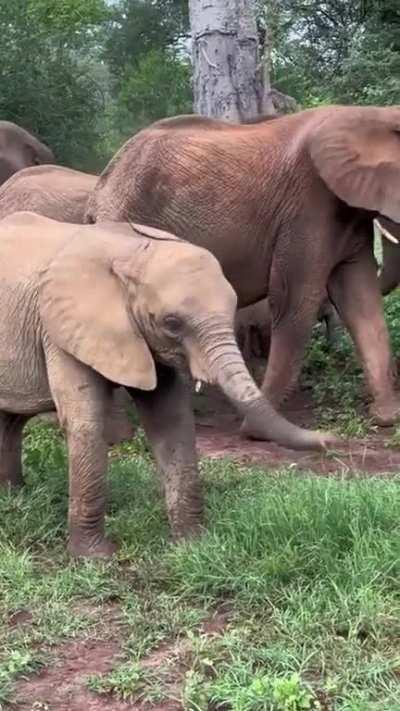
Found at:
[83, 307]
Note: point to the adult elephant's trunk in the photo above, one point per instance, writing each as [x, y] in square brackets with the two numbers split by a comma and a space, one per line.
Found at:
[228, 370]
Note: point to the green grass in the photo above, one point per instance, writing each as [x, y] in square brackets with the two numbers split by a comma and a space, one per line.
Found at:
[303, 570]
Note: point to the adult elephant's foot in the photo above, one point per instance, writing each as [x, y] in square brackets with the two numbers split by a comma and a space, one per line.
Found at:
[80, 546]
[385, 413]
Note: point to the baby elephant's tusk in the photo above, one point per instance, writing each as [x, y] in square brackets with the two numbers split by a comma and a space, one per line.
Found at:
[198, 386]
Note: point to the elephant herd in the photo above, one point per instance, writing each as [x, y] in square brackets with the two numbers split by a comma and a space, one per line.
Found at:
[129, 283]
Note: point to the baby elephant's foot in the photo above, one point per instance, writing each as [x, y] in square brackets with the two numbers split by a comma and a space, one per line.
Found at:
[385, 413]
[80, 546]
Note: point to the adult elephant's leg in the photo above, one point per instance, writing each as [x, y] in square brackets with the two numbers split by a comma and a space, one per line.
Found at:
[294, 307]
[82, 398]
[11, 427]
[167, 417]
[354, 289]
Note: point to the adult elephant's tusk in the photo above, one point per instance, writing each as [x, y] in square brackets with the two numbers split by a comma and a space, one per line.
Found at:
[386, 233]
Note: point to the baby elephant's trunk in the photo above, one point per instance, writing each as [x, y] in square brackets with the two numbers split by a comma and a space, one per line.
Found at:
[228, 369]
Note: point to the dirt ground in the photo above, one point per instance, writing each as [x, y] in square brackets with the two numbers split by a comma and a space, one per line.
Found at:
[61, 686]
[218, 436]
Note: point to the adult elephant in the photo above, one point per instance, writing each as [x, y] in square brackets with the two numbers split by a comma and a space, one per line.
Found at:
[61, 194]
[302, 189]
[19, 149]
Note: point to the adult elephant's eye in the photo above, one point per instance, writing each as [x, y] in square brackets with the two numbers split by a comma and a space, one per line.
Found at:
[173, 324]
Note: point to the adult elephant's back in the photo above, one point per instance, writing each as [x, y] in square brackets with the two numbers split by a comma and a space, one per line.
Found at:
[198, 178]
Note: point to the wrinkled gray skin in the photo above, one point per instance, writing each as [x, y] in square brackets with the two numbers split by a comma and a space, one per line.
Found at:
[61, 194]
[91, 307]
[19, 149]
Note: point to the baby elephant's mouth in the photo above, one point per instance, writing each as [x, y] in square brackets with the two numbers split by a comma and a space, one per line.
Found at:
[173, 358]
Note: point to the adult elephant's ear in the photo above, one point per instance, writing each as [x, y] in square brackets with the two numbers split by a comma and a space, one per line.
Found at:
[356, 151]
[83, 307]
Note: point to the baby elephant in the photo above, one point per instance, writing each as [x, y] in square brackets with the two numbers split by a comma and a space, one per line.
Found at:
[86, 308]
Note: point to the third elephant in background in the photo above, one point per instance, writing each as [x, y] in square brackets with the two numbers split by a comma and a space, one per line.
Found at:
[19, 149]
[300, 191]
[61, 194]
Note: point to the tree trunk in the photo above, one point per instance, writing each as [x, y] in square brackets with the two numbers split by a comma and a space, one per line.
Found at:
[227, 79]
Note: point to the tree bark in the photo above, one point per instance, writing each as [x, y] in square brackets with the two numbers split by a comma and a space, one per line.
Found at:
[227, 79]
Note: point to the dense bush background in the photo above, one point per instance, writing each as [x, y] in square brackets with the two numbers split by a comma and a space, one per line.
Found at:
[85, 74]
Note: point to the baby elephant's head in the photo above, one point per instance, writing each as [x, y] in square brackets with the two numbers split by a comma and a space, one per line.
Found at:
[181, 302]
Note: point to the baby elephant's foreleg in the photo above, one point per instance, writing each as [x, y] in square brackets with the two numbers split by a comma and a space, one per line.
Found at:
[167, 417]
[82, 398]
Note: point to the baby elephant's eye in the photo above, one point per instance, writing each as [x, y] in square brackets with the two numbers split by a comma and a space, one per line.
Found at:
[173, 323]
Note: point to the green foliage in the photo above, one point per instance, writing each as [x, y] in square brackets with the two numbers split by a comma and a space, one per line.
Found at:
[150, 70]
[69, 17]
[336, 51]
[48, 85]
[158, 87]
[139, 27]
[99, 71]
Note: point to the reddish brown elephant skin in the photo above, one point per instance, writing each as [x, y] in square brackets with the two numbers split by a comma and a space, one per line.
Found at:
[301, 190]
